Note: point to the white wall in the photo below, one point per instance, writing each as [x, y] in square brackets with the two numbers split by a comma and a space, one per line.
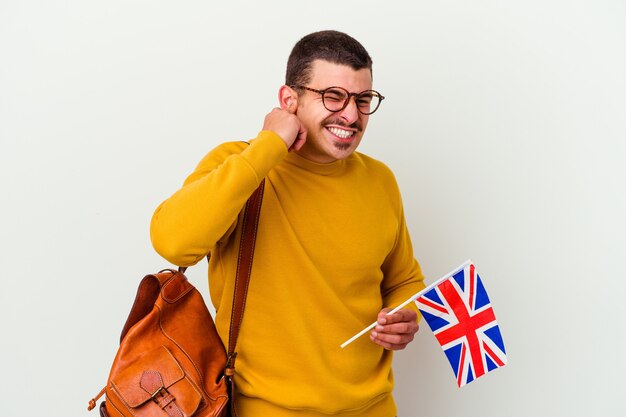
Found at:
[505, 124]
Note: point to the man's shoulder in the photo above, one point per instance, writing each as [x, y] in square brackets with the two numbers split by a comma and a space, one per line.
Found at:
[377, 174]
[372, 165]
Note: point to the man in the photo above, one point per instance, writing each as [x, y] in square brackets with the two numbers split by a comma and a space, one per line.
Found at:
[332, 250]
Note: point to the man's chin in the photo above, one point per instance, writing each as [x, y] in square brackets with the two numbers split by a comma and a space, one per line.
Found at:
[342, 146]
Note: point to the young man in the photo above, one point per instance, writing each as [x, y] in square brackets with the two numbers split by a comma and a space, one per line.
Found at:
[332, 251]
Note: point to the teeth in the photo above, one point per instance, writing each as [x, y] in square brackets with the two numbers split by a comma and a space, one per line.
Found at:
[343, 134]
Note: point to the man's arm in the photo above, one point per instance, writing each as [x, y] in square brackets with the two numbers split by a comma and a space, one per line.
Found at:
[188, 225]
[403, 279]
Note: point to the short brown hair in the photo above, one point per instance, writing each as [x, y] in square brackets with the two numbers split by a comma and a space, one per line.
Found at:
[328, 45]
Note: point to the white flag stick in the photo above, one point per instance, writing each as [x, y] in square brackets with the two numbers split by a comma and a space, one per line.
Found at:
[404, 304]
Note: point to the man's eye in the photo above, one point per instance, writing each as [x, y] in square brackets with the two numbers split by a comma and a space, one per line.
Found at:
[333, 95]
[364, 100]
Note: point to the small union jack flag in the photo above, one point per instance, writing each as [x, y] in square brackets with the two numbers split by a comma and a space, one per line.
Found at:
[459, 313]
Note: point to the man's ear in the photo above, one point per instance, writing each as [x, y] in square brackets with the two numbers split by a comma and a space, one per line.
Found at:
[288, 99]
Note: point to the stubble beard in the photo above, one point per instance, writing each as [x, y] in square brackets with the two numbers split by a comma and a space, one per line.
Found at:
[342, 146]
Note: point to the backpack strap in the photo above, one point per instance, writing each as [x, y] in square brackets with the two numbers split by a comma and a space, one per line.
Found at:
[244, 269]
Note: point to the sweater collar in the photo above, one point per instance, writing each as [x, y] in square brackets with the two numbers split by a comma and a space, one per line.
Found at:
[332, 168]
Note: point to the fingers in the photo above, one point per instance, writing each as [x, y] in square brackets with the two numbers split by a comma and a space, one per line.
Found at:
[402, 315]
[300, 139]
[287, 126]
[396, 331]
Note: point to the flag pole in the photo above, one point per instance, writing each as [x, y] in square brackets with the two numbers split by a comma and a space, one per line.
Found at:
[407, 302]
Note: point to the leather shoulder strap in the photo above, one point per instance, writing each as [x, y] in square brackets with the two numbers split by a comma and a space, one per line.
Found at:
[244, 267]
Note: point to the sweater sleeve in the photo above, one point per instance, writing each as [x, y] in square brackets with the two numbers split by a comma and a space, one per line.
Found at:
[188, 225]
[402, 273]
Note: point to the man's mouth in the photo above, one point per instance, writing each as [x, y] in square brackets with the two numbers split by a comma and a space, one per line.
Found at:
[341, 133]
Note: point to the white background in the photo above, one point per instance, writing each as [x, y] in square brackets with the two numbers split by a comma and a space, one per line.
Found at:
[505, 123]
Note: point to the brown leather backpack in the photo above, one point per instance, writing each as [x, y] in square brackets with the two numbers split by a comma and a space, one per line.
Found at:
[171, 361]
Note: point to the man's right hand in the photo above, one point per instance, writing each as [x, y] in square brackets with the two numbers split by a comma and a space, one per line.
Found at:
[287, 126]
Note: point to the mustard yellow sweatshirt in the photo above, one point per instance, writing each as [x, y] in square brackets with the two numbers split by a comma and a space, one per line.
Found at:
[332, 250]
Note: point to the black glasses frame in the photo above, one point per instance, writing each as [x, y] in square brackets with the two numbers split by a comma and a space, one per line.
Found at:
[348, 96]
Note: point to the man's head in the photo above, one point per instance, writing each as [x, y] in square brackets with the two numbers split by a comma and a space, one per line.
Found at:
[328, 45]
[329, 88]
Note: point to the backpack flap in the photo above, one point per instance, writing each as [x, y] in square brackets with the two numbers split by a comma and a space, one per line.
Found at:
[156, 381]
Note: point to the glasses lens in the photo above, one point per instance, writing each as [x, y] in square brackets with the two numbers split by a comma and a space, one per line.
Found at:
[368, 102]
[334, 98]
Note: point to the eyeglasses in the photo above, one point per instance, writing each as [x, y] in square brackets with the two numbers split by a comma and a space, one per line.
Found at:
[335, 99]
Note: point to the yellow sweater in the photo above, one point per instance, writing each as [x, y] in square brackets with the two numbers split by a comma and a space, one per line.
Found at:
[332, 250]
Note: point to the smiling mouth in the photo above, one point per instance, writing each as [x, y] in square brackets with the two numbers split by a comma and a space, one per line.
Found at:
[341, 133]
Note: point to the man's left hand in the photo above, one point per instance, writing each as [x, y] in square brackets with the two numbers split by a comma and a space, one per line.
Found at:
[395, 331]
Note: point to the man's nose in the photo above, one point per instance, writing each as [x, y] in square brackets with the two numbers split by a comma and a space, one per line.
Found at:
[351, 112]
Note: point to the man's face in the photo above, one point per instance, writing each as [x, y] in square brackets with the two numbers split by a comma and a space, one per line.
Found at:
[332, 136]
